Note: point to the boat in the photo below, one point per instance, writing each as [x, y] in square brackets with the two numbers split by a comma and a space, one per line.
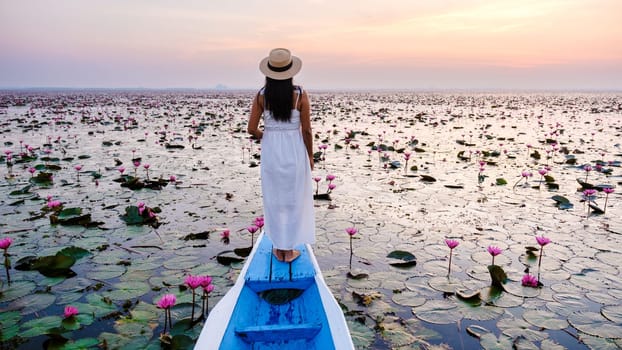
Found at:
[277, 305]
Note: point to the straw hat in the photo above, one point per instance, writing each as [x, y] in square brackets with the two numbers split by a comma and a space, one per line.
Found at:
[280, 64]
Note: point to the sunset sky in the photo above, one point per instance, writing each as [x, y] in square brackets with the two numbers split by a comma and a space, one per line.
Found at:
[351, 44]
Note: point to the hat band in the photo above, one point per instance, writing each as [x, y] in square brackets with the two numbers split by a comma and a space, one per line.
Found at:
[280, 69]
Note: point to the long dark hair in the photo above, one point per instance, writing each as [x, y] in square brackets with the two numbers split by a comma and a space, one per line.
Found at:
[278, 98]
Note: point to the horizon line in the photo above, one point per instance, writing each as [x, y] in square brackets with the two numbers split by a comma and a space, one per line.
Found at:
[245, 89]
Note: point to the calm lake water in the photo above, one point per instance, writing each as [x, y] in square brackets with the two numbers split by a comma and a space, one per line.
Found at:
[463, 181]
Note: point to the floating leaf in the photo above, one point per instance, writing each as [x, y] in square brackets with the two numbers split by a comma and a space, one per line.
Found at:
[445, 284]
[613, 313]
[408, 298]
[50, 266]
[362, 335]
[243, 252]
[227, 258]
[437, 312]
[40, 325]
[497, 275]
[427, 178]
[407, 259]
[32, 303]
[562, 202]
[194, 236]
[127, 290]
[16, 289]
[595, 324]
[544, 319]
[501, 181]
[75, 252]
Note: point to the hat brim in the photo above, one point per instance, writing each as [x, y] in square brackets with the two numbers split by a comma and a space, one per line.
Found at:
[293, 70]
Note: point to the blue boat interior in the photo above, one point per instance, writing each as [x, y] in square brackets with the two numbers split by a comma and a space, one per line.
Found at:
[279, 306]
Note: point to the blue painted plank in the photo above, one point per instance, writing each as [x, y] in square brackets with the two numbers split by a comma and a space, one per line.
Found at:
[259, 270]
[278, 332]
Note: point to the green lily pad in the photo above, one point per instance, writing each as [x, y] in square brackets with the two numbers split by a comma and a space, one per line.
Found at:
[562, 202]
[50, 266]
[544, 319]
[75, 252]
[445, 284]
[437, 312]
[406, 259]
[228, 257]
[127, 290]
[16, 290]
[40, 325]
[32, 303]
[362, 336]
[613, 313]
[104, 272]
[81, 344]
[595, 324]
[497, 275]
[408, 298]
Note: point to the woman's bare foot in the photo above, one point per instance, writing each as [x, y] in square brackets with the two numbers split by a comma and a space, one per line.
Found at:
[279, 254]
[291, 255]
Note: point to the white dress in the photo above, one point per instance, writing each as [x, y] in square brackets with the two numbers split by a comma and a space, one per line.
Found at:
[286, 184]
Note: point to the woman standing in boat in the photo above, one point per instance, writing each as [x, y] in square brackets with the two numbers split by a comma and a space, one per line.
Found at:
[286, 155]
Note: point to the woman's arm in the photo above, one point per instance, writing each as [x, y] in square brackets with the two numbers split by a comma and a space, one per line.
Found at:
[253, 121]
[305, 124]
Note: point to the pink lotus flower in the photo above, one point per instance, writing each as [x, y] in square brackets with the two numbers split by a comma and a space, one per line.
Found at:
[494, 251]
[589, 193]
[70, 311]
[225, 234]
[78, 167]
[529, 281]
[330, 177]
[451, 243]
[542, 172]
[252, 229]
[5, 243]
[331, 187]
[136, 163]
[209, 288]
[317, 179]
[351, 231]
[121, 169]
[54, 204]
[526, 174]
[205, 281]
[167, 301]
[32, 170]
[193, 282]
[407, 156]
[259, 222]
[140, 204]
[146, 166]
[542, 241]
[608, 190]
[172, 178]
